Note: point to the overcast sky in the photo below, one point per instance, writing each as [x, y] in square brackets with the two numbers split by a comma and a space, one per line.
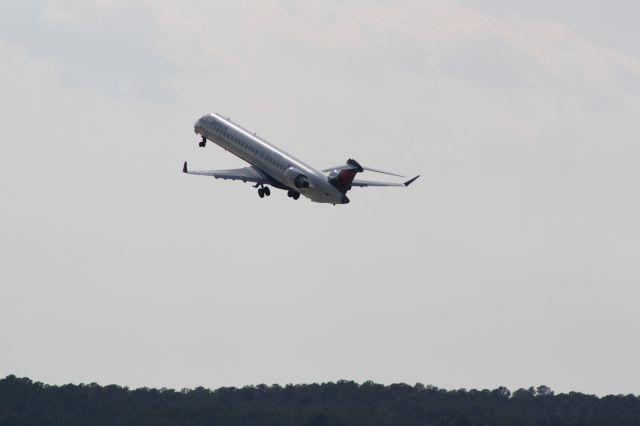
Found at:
[513, 261]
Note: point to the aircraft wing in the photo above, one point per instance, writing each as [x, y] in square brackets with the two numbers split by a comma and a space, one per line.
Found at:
[245, 174]
[364, 183]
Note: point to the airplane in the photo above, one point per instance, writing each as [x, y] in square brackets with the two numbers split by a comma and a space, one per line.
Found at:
[271, 166]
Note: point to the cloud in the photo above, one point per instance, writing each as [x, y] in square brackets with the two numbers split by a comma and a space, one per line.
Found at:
[97, 45]
[525, 133]
[157, 43]
[354, 41]
[608, 25]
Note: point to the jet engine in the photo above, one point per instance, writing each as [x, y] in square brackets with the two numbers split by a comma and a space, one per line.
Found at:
[296, 178]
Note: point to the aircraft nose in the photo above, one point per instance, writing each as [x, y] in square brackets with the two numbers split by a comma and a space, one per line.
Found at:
[344, 200]
[199, 124]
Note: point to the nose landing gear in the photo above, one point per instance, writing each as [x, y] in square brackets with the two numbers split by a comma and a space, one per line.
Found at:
[203, 143]
[293, 194]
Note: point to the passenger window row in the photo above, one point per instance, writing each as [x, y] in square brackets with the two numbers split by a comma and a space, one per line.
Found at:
[255, 151]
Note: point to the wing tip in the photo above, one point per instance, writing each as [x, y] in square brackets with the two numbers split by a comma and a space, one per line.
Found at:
[409, 182]
[184, 168]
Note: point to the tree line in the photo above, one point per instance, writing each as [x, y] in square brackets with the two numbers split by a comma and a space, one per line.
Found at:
[344, 403]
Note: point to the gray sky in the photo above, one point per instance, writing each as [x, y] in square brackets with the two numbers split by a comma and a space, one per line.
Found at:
[513, 261]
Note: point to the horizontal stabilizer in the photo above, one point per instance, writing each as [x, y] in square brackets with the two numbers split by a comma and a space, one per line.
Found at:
[354, 165]
[410, 181]
[365, 183]
[381, 171]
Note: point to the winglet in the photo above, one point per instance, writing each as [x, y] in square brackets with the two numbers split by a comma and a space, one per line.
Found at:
[407, 183]
[184, 168]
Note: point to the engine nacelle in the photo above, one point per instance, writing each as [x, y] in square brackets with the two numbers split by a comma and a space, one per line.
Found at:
[296, 178]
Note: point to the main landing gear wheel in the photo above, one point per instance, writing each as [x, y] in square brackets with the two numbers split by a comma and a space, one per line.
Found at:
[293, 194]
[264, 191]
[203, 143]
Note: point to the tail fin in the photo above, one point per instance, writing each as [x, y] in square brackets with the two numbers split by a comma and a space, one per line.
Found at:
[342, 176]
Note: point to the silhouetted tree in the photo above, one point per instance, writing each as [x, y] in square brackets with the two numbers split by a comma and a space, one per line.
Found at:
[344, 403]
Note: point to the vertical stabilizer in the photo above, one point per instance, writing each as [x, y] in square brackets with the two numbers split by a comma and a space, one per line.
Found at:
[342, 176]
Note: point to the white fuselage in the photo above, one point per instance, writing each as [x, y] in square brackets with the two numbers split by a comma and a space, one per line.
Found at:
[277, 164]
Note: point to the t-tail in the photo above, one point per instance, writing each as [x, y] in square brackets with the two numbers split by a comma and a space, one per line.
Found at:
[343, 177]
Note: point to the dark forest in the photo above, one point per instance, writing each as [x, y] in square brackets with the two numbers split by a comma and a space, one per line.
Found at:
[24, 402]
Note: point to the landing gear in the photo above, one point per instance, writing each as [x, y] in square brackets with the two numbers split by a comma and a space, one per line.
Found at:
[203, 143]
[264, 191]
[293, 194]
